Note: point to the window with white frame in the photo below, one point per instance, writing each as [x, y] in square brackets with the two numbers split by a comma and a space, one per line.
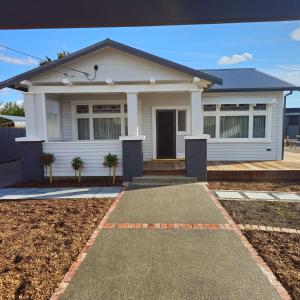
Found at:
[53, 119]
[235, 121]
[101, 121]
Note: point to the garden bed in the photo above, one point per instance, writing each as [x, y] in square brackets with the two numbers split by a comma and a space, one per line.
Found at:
[39, 240]
[280, 214]
[281, 251]
[70, 182]
[281, 186]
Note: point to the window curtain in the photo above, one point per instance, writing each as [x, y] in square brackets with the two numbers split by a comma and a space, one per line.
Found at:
[107, 128]
[210, 126]
[259, 126]
[83, 129]
[234, 126]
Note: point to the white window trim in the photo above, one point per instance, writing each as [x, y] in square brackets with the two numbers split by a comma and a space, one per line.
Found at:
[188, 125]
[251, 113]
[92, 115]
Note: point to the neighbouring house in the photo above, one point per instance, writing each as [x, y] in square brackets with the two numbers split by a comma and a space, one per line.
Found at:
[12, 121]
[292, 122]
[110, 97]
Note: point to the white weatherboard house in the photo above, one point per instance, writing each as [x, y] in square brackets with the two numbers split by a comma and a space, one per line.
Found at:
[88, 102]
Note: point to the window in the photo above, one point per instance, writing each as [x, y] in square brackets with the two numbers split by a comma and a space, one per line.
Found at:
[236, 121]
[234, 126]
[210, 107]
[107, 128]
[234, 107]
[101, 121]
[181, 120]
[260, 107]
[83, 125]
[82, 109]
[210, 126]
[259, 126]
[106, 109]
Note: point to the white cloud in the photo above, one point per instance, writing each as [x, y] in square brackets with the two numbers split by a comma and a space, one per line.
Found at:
[17, 61]
[4, 91]
[295, 34]
[235, 59]
[289, 73]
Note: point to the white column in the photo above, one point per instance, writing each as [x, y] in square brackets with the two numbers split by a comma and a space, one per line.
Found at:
[196, 112]
[35, 115]
[132, 114]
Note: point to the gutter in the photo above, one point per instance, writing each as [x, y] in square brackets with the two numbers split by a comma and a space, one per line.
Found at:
[284, 121]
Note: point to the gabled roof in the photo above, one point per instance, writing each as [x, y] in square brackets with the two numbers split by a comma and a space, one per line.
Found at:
[12, 82]
[247, 79]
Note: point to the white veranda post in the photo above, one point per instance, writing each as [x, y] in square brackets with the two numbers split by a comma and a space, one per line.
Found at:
[132, 113]
[197, 118]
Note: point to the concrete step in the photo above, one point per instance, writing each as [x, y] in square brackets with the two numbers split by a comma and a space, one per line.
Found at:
[153, 172]
[163, 180]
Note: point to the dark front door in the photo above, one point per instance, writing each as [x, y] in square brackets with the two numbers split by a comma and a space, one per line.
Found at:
[166, 133]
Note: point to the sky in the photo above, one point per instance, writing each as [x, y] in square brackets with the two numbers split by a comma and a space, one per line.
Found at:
[272, 47]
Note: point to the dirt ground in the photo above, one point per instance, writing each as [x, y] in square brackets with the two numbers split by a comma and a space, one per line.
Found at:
[267, 213]
[39, 239]
[289, 186]
[281, 251]
[69, 182]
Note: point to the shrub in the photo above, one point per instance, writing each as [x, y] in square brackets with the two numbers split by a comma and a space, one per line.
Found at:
[47, 160]
[111, 162]
[77, 165]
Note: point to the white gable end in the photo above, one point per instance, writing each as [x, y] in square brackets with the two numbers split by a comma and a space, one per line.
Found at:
[115, 65]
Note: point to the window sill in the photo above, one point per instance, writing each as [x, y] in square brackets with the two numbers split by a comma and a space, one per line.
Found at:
[250, 141]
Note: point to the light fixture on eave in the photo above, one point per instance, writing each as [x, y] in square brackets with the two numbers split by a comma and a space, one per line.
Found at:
[26, 83]
[152, 80]
[66, 81]
[109, 81]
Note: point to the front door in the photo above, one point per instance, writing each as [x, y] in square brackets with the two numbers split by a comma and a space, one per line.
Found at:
[166, 133]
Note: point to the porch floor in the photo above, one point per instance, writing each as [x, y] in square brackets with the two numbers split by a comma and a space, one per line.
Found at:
[291, 162]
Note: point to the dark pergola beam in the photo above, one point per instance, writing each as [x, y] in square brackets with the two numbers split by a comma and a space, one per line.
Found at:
[28, 14]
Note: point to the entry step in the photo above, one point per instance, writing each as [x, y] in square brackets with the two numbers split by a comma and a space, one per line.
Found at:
[162, 180]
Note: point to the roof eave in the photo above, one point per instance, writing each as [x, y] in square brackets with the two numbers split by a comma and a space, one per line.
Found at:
[271, 89]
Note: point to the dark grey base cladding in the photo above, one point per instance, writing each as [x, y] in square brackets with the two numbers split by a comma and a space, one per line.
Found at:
[32, 169]
[132, 159]
[196, 158]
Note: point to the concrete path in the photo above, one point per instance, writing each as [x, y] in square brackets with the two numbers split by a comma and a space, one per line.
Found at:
[148, 263]
[255, 195]
[59, 193]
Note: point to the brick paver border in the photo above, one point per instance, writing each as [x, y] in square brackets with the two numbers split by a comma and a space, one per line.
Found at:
[80, 258]
[181, 226]
[260, 262]
[268, 228]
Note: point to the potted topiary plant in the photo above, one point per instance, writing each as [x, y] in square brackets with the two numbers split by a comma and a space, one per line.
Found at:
[111, 162]
[77, 164]
[47, 160]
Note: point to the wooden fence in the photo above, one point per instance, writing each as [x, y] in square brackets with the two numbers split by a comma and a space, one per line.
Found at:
[9, 149]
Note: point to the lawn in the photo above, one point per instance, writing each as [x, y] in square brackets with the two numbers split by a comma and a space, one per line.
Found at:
[281, 251]
[282, 186]
[39, 240]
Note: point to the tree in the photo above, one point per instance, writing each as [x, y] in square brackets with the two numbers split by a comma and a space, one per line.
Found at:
[12, 109]
[111, 162]
[77, 164]
[59, 55]
[47, 160]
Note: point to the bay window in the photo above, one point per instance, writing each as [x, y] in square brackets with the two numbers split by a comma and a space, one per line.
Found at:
[101, 121]
[235, 121]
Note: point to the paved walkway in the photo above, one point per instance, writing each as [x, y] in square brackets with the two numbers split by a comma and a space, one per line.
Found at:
[169, 243]
[59, 193]
[254, 195]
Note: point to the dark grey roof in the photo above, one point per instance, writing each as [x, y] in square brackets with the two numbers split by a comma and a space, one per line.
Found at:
[247, 79]
[13, 82]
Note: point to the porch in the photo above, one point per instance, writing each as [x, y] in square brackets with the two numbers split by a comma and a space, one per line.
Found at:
[286, 169]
